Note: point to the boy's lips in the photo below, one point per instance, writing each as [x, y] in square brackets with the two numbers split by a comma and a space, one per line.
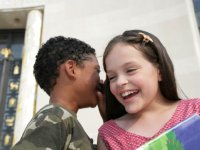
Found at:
[100, 87]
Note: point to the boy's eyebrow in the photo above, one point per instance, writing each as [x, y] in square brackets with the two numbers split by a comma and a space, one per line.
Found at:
[98, 67]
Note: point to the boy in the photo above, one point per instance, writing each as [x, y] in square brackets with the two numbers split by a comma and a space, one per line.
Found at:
[68, 71]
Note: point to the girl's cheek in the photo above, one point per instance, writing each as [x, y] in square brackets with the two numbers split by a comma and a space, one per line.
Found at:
[112, 89]
[138, 80]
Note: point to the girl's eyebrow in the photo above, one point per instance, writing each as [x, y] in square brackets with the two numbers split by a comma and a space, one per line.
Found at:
[108, 72]
[126, 64]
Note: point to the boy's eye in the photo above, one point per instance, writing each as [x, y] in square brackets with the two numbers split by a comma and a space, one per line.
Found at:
[98, 70]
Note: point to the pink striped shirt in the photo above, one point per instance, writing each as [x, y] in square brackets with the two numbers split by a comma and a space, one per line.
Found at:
[117, 138]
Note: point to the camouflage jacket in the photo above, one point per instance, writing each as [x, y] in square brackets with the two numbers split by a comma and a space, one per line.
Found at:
[54, 128]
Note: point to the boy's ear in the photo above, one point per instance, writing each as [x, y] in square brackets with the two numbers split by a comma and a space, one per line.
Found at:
[70, 68]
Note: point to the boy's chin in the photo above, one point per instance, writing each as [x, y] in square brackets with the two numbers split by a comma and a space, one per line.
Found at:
[93, 105]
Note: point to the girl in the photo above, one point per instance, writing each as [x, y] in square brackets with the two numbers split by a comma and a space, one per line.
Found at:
[141, 93]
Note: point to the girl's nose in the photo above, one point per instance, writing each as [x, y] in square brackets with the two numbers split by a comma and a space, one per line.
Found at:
[122, 80]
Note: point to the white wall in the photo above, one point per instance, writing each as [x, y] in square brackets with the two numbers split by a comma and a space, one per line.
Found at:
[97, 21]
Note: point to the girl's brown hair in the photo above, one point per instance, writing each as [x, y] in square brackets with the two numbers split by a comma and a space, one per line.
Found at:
[155, 52]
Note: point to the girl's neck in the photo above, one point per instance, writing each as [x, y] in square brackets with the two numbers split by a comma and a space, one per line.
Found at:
[154, 108]
[149, 122]
[157, 107]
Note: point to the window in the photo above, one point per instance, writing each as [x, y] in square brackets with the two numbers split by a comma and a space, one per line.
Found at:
[197, 11]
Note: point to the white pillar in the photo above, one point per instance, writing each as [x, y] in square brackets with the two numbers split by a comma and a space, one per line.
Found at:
[194, 27]
[26, 99]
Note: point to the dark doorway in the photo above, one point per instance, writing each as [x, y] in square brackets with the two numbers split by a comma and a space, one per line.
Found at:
[11, 45]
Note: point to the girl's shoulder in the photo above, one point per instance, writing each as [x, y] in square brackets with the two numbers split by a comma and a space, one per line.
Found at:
[107, 124]
[192, 101]
[189, 106]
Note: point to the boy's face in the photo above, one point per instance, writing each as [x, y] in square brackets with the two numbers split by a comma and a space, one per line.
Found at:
[87, 82]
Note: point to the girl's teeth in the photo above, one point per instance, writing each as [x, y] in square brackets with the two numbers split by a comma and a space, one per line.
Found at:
[126, 93]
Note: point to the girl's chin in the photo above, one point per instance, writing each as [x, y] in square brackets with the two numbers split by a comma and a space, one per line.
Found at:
[131, 110]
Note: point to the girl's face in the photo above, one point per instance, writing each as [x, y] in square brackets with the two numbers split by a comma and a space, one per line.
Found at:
[133, 79]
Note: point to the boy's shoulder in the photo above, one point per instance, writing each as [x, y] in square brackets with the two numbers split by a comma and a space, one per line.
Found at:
[50, 114]
[53, 113]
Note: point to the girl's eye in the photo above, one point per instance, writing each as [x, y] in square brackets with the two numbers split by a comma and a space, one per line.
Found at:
[111, 78]
[130, 70]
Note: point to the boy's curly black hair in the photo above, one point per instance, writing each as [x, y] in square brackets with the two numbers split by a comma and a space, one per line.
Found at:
[55, 52]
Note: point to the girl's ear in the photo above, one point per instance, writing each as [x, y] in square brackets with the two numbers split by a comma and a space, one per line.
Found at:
[70, 68]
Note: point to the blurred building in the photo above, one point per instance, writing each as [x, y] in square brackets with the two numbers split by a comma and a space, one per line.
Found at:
[26, 24]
